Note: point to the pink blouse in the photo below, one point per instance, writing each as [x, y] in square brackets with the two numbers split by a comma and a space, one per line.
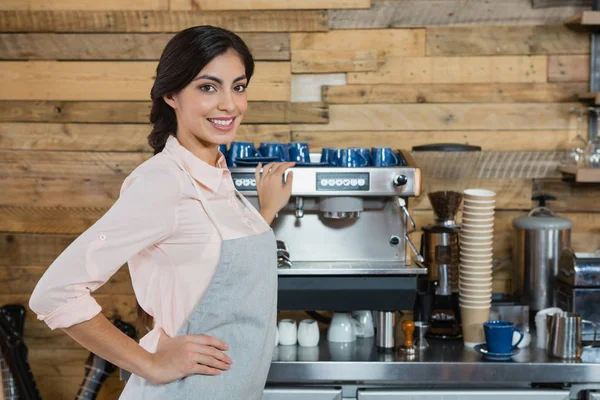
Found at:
[159, 227]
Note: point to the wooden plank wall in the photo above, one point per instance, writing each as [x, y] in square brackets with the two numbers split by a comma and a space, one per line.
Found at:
[75, 77]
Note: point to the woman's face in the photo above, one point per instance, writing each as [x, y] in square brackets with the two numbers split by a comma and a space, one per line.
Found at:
[211, 107]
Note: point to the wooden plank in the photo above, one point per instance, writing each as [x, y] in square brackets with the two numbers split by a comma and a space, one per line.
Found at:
[122, 80]
[266, 4]
[560, 3]
[268, 112]
[570, 196]
[22, 280]
[161, 21]
[120, 46]
[505, 40]
[20, 250]
[353, 50]
[54, 5]
[438, 117]
[107, 137]
[455, 93]
[488, 140]
[423, 13]
[68, 163]
[307, 87]
[48, 220]
[568, 68]
[512, 194]
[456, 70]
[585, 21]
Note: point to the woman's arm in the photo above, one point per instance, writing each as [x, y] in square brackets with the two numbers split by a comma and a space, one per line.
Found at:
[273, 194]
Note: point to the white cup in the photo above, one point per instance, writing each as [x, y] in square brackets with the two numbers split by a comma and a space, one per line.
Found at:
[540, 325]
[288, 332]
[308, 333]
[343, 328]
[365, 318]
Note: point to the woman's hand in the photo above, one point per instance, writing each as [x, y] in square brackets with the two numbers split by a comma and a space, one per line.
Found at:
[181, 356]
[273, 194]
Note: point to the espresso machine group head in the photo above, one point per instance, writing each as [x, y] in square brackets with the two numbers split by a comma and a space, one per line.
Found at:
[343, 239]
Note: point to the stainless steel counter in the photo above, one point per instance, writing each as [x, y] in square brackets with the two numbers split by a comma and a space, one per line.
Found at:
[444, 363]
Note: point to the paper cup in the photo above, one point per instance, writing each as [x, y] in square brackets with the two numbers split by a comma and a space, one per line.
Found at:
[469, 213]
[479, 202]
[476, 296]
[479, 194]
[469, 249]
[470, 280]
[479, 209]
[474, 289]
[471, 244]
[477, 228]
[474, 303]
[483, 268]
[476, 262]
[478, 238]
[483, 275]
[477, 221]
[473, 319]
[476, 256]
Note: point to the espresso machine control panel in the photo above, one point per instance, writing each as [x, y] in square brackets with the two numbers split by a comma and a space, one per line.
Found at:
[327, 181]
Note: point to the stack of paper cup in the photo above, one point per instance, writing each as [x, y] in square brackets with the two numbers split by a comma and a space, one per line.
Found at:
[475, 269]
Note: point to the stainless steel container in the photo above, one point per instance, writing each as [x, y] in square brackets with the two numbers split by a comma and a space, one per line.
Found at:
[539, 240]
[564, 335]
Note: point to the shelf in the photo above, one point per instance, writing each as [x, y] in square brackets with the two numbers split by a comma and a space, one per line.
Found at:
[588, 175]
[590, 97]
[585, 21]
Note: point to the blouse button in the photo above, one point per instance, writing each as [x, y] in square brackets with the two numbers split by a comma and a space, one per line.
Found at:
[103, 237]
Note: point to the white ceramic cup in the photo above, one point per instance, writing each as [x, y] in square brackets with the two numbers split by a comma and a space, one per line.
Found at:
[308, 333]
[343, 328]
[540, 325]
[479, 194]
[365, 318]
[288, 332]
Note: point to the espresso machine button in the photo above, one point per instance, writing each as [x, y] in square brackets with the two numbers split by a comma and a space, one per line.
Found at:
[400, 180]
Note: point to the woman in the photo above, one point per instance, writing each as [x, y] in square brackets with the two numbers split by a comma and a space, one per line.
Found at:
[202, 259]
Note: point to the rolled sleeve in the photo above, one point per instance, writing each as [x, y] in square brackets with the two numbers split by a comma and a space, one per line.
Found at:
[144, 214]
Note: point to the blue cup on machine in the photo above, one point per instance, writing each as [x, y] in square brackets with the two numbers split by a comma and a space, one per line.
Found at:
[327, 155]
[366, 153]
[384, 157]
[223, 149]
[240, 150]
[274, 149]
[299, 152]
[349, 158]
[499, 336]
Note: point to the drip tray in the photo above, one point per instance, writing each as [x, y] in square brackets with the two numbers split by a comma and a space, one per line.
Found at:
[373, 268]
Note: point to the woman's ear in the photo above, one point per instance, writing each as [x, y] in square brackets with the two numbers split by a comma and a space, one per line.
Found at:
[170, 100]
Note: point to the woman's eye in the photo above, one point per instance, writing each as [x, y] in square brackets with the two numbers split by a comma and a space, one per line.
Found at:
[208, 88]
[240, 88]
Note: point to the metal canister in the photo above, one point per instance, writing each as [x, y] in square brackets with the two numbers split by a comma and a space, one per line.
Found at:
[540, 237]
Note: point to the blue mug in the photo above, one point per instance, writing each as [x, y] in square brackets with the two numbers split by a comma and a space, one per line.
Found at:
[384, 157]
[240, 150]
[299, 152]
[327, 155]
[223, 149]
[349, 158]
[499, 336]
[366, 154]
[274, 149]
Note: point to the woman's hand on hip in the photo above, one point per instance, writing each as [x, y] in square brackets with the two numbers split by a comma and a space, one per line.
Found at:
[181, 356]
[273, 194]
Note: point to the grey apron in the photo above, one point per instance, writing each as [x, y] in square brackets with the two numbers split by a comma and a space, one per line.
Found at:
[240, 308]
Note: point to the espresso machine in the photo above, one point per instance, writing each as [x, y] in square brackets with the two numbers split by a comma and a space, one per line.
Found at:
[343, 240]
[447, 170]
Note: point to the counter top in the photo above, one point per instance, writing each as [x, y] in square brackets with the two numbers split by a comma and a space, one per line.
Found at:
[444, 362]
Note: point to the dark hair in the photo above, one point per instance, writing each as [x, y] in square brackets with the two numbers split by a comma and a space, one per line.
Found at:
[182, 59]
[180, 62]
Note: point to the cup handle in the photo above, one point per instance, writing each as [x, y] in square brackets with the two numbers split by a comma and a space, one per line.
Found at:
[520, 339]
[394, 157]
[360, 329]
[585, 321]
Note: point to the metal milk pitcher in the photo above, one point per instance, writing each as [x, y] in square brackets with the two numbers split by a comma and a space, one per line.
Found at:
[564, 335]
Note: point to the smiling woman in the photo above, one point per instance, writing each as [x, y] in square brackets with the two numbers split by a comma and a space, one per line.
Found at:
[202, 259]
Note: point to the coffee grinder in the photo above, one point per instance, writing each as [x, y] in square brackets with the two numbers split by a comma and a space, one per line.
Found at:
[447, 170]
